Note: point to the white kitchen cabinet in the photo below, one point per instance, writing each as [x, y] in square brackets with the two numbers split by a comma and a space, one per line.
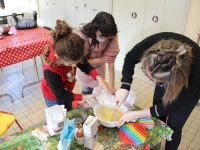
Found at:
[30, 6]
[80, 9]
[27, 6]
[120, 19]
[83, 11]
[175, 16]
[192, 27]
[142, 18]
[136, 15]
[95, 6]
[52, 10]
[153, 17]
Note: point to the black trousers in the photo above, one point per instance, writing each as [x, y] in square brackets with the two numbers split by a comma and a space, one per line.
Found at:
[177, 119]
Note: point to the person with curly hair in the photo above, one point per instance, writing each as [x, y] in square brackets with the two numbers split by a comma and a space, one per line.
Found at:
[61, 58]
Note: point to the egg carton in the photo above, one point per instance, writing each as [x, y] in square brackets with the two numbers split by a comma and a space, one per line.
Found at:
[28, 141]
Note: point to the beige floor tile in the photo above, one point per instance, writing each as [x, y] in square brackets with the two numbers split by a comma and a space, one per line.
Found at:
[182, 146]
[195, 146]
[36, 120]
[27, 112]
[24, 108]
[17, 112]
[10, 131]
[23, 121]
[32, 116]
[197, 140]
[20, 105]
[186, 141]
[195, 126]
[198, 133]
[188, 135]
[28, 124]
[34, 109]
[39, 112]
[192, 131]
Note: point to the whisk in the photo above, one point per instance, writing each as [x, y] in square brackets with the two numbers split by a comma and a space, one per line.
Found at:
[115, 116]
[102, 99]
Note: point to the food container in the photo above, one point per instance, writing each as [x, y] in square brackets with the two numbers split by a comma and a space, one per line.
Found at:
[90, 129]
[28, 141]
[80, 140]
[4, 28]
[80, 118]
[111, 105]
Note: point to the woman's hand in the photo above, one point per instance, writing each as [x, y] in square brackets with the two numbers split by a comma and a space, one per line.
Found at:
[102, 84]
[108, 59]
[120, 96]
[112, 89]
[90, 97]
[133, 116]
[127, 117]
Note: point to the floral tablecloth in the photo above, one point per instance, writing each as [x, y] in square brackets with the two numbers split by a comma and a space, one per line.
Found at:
[108, 137]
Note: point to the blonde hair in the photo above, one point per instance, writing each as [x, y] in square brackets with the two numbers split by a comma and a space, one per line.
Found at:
[170, 61]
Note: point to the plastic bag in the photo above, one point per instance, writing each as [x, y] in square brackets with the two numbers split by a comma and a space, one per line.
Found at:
[104, 96]
[67, 135]
[55, 116]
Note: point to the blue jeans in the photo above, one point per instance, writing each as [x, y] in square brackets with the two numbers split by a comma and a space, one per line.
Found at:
[50, 103]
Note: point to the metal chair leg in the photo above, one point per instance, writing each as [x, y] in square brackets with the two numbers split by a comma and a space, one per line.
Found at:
[22, 66]
[18, 124]
[37, 77]
[7, 95]
[41, 60]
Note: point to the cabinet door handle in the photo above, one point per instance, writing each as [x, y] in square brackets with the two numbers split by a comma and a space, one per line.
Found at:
[76, 7]
[85, 5]
[134, 15]
[155, 18]
[94, 9]
[47, 3]
[53, 3]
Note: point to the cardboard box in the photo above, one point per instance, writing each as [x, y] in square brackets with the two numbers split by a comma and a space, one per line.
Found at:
[98, 146]
[90, 128]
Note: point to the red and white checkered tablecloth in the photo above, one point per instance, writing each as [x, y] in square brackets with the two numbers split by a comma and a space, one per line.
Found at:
[26, 44]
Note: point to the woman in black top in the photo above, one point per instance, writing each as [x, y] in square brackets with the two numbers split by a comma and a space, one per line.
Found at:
[172, 62]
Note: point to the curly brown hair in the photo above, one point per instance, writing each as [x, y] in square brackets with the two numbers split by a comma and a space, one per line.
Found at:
[67, 45]
[167, 63]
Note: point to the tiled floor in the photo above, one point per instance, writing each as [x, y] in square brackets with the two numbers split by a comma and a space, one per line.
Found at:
[30, 109]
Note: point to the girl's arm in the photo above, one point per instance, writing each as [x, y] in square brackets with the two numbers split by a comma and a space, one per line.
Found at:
[102, 59]
[88, 69]
[133, 116]
[111, 69]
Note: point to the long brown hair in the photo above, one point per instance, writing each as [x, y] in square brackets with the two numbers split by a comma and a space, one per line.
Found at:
[170, 61]
[104, 22]
[67, 44]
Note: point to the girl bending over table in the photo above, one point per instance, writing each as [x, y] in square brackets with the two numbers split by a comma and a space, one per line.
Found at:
[101, 47]
[61, 58]
[172, 62]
